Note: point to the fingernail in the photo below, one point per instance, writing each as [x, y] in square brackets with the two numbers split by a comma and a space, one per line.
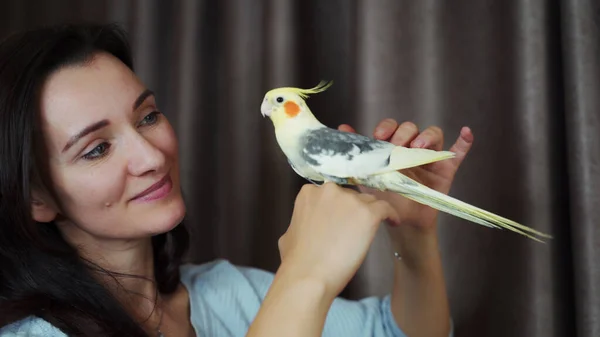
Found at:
[380, 132]
[418, 143]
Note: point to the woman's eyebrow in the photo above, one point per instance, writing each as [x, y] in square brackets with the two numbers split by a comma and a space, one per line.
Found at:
[142, 97]
[87, 130]
[100, 124]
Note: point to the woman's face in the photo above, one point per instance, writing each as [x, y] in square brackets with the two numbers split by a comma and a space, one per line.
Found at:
[113, 158]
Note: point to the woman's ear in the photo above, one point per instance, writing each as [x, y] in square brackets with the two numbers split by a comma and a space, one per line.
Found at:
[42, 209]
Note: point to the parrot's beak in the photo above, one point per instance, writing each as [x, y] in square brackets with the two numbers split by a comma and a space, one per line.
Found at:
[265, 108]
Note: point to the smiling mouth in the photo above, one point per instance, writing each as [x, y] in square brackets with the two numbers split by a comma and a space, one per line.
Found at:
[157, 191]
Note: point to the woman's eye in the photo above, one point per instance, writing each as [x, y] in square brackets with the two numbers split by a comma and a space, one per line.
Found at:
[150, 118]
[102, 148]
[97, 152]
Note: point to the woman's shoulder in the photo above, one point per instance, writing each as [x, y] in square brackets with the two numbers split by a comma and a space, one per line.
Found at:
[223, 276]
[32, 327]
[224, 298]
[220, 266]
[224, 287]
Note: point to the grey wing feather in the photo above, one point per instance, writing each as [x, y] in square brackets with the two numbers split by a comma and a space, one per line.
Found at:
[316, 182]
[343, 154]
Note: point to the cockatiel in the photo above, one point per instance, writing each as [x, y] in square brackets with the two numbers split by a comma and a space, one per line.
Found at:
[321, 154]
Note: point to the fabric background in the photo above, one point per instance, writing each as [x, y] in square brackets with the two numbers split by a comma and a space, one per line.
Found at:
[524, 75]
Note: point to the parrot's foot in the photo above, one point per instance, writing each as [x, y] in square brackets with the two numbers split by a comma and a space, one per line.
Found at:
[382, 188]
[377, 185]
[312, 181]
[339, 181]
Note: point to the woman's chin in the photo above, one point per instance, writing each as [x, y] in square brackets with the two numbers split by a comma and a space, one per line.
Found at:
[164, 219]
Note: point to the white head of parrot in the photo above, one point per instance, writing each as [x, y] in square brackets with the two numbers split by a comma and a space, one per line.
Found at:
[287, 103]
[276, 102]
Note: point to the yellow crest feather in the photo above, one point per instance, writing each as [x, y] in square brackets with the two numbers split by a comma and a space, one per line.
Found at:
[304, 93]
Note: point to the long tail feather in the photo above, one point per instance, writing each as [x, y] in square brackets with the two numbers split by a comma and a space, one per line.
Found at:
[411, 189]
[406, 157]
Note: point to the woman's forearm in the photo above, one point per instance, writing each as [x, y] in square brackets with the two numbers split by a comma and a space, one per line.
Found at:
[294, 306]
[419, 299]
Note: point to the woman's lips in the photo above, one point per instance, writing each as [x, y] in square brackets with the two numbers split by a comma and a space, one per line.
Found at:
[157, 191]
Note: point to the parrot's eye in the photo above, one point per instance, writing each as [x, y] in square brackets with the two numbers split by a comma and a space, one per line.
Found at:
[279, 99]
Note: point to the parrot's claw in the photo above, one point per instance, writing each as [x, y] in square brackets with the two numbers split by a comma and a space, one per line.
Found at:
[378, 186]
[339, 181]
[312, 181]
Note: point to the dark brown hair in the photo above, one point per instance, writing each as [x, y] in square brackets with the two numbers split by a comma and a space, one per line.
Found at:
[40, 273]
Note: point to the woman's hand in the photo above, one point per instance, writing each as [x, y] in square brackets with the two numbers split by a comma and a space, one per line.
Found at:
[419, 300]
[330, 233]
[417, 232]
[438, 175]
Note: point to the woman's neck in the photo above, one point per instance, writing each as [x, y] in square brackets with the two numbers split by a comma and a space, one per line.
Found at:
[129, 265]
[137, 293]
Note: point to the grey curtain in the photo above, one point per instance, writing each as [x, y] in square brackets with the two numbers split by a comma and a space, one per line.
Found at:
[524, 75]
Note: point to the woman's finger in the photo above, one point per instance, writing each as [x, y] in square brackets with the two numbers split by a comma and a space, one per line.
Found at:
[367, 198]
[346, 128]
[431, 138]
[385, 212]
[385, 129]
[461, 147]
[404, 134]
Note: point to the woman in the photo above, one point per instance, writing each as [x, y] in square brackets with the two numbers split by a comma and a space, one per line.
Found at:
[91, 240]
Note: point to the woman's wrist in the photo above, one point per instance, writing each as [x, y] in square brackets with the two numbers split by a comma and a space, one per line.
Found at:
[295, 305]
[417, 246]
[294, 274]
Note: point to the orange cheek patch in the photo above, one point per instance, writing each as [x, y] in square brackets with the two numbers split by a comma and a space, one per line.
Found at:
[291, 108]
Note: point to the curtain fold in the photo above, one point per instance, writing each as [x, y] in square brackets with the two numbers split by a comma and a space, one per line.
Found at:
[581, 80]
[524, 75]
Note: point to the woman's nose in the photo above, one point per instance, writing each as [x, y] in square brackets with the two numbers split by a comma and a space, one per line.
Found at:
[144, 156]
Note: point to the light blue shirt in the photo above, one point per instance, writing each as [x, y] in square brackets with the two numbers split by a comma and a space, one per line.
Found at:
[224, 300]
